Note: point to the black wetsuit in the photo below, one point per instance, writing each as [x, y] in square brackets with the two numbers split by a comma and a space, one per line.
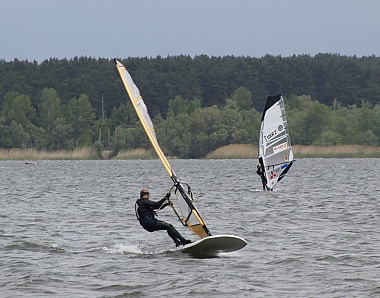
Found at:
[261, 173]
[147, 217]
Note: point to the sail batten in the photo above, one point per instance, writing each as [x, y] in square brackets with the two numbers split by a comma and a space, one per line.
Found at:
[275, 150]
[190, 215]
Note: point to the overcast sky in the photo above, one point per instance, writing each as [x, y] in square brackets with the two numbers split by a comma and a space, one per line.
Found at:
[43, 29]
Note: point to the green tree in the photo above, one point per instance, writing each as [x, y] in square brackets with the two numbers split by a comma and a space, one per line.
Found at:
[180, 106]
[376, 121]
[176, 106]
[119, 138]
[366, 138]
[251, 123]
[18, 137]
[232, 120]
[124, 115]
[240, 136]
[49, 108]
[4, 133]
[62, 134]
[19, 108]
[316, 121]
[329, 138]
[18, 113]
[40, 138]
[81, 117]
[243, 97]
[217, 139]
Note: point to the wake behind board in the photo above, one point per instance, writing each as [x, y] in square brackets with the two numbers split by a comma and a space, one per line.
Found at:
[212, 246]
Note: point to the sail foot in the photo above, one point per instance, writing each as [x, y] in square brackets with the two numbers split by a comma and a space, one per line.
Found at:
[200, 230]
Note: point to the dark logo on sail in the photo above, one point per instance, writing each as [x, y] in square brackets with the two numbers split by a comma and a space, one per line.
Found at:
[280, 127]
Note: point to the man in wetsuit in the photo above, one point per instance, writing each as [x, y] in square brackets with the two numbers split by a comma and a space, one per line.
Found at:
[146, 214]
[261, 173]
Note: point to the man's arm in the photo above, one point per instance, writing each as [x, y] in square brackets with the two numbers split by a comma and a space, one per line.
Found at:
[158, 204]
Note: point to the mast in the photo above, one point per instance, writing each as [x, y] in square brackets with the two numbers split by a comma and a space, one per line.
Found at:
[190, 215]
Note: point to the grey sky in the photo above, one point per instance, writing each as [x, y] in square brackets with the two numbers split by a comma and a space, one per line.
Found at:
[43, 29]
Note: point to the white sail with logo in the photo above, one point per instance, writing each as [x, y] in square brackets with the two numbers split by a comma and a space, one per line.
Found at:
[275, 150]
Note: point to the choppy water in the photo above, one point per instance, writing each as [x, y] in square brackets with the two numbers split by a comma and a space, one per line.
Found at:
[68, 229]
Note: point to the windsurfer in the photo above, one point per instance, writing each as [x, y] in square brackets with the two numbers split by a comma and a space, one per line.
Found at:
[261, 173]
[146, 214]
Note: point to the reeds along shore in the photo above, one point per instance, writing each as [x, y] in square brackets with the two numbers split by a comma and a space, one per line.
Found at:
[32, 154]
[343, 151]
[234, 151]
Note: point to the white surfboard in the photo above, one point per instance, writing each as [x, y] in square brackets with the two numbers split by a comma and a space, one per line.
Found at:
[212, 246]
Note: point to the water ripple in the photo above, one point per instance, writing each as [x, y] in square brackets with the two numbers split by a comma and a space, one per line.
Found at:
[69, 230]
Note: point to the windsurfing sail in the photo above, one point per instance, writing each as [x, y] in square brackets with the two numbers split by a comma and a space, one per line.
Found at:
[190, 216]
[275, 150]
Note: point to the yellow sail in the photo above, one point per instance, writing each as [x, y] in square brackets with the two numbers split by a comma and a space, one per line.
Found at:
[190, 215]
[142, 112]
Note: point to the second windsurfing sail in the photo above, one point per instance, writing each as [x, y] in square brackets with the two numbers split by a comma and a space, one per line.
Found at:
[190, 216]
[275, 150]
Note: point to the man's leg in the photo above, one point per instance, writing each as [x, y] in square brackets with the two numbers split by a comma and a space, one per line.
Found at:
[172, 232]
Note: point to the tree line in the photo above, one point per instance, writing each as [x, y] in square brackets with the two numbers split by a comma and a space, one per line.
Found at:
[324, 77]
[187, 130]
[197, 104]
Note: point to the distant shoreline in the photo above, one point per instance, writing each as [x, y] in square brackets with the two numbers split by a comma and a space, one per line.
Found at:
[233, 151]
[241, 151]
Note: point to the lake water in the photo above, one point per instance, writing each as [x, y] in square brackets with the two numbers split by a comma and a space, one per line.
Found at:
[68, 229]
